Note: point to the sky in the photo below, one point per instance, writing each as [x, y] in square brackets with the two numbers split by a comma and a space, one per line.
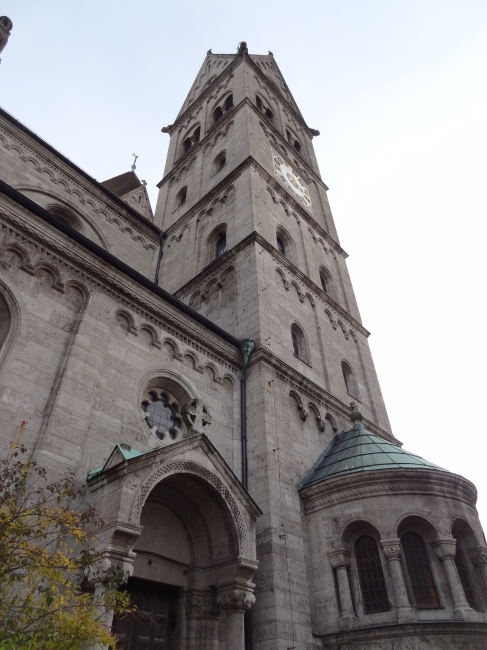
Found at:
[398, 91]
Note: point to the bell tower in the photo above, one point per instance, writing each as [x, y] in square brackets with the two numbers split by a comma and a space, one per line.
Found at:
[252, 245]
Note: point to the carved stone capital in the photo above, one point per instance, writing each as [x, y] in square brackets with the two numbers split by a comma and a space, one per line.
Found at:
[108, 570]
[479, 556]
[392, 548]
[235, 599]
[339, 558]
[445, 548]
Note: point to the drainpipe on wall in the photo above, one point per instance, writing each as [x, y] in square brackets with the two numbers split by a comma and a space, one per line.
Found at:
[162, 238]
[247, 346]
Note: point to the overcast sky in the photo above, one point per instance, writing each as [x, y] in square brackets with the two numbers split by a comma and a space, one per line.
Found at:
[399, 93]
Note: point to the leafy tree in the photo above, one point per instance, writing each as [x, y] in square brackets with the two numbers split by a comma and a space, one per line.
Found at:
[45, 551]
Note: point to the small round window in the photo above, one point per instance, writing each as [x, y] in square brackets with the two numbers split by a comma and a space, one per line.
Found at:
[161, 415]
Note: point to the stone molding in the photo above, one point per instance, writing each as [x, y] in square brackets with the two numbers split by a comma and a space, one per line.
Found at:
[85, 192]
[357, 487]
[313, 391]
[86, 268]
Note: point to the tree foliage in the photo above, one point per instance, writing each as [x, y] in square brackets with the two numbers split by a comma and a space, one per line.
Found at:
[44, 553]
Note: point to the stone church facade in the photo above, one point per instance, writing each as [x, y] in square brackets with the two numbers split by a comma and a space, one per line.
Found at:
[195, 366]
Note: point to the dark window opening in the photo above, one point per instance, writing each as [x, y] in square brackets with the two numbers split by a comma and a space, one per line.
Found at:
[349, 380]
[463, 575]
[217, 114]
[297, 146]
[221, 245]
[259, 103]
[324, 283]
[269, 114]
[371, 576]
[228, 103]
[187, 145]
[419, 571]
[280, 246]
[220, 162]
[161, 416]
[295, 344]
[182, 197]
[196, 135]
[191, 140]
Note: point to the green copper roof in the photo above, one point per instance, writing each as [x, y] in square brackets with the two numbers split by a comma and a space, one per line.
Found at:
[359, 450]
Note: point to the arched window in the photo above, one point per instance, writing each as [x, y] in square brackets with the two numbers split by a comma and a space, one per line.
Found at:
[461, 565]
[419, 570]
[349, 378]
[4, 322]
[371, 576]
[181, 197]
[280, 245]
[191, 140]
[220, 162]
[324, 282]
[264, 108]
[217, 114]
[299, 343]
[65, 215]
[220, 110]
[293, 140]
[221, 245]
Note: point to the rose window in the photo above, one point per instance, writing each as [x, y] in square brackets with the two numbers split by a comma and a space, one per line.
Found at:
[161, 415]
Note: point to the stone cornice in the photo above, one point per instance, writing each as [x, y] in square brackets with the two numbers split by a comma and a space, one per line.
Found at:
[313, 390]
[272, 182]
[74, 175]
[360, 485]
[223, 260]
[206, 93]
[273, 88]
[88, 268]
[392, 633]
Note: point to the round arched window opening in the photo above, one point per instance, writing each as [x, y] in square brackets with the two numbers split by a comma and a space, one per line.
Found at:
[161, 415]
[280, 245]
[221, 245]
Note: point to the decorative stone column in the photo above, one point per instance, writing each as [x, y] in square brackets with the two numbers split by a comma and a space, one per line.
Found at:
[340, 561]
[479, 559]
[194, 611]
[392, 551]
[235, 600]
[107, 574]
[445, 549]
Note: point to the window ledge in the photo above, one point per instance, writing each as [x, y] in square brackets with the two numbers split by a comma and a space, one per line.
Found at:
[303, 360]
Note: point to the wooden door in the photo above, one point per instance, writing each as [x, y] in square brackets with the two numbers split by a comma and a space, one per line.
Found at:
[151, 627]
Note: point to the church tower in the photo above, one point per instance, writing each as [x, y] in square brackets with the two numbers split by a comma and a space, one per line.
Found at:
[252, 245]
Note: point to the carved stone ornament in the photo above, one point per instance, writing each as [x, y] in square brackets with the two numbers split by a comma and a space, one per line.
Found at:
[392, 549]
[106, 570]
[445, 548]
[339, 559]
[195, 416]
[479, 556]
[236, 600]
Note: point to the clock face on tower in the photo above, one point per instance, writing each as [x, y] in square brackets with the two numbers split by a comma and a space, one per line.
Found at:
[292, 182]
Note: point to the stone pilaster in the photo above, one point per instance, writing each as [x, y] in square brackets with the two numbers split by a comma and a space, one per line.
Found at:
[393, 552]
[445, 549]
[340, 561]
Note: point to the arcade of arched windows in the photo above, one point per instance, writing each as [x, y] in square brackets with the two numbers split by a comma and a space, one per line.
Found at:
[416, 569]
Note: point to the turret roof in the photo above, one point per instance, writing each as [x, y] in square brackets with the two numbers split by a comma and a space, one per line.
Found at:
[360, 450]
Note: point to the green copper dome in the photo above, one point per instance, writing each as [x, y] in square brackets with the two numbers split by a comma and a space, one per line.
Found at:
[359, 450]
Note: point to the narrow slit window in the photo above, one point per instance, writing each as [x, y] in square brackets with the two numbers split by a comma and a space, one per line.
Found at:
[371, 576]
[295, 344]
[419, 570]
[228, 104]
[324, 282]
[181, 198]
[217, 114]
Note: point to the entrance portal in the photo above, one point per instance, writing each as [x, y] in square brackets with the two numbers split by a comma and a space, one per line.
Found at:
[152, 626]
